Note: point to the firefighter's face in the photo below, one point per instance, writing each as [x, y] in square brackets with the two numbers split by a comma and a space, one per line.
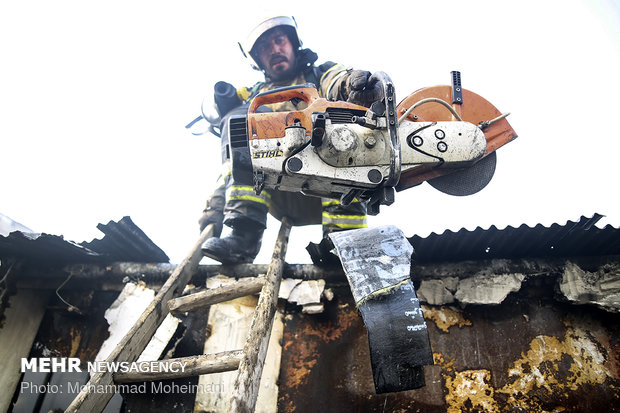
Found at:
[276, 55]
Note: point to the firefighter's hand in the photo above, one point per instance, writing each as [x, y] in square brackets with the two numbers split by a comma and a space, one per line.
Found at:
[363, 88]
[212, 216]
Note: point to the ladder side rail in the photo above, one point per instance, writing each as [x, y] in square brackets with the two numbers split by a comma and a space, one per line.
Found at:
[138, 337]
[247, 383]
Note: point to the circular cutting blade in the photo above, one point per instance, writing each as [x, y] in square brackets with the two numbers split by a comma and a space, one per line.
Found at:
[467, 181]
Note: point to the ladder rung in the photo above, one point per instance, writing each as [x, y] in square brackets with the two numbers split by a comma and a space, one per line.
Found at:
[237, 289]
[193, 366]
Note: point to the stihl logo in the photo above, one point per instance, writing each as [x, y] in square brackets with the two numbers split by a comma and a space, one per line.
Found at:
[268, 154]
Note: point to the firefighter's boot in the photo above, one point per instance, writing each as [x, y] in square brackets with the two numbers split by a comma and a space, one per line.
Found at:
[241, 246]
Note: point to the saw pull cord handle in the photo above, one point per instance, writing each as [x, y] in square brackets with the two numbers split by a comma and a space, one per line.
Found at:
[306, 92]
[429, 100]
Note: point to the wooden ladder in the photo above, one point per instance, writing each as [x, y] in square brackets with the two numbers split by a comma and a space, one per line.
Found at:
[248, 361]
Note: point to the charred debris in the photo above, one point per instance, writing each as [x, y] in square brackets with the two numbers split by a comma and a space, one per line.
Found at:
[519, 318]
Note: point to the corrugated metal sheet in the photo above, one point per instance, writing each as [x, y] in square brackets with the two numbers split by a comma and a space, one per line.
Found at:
[580, 238]
[126, 242]
[123, 241]
[43, 248]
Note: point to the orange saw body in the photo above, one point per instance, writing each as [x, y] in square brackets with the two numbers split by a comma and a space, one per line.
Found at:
[339, 150]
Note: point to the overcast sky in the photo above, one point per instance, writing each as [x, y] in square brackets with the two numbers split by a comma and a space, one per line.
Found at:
[94, 97]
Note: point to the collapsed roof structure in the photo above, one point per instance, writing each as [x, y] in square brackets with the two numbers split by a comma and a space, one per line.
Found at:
[524, 317]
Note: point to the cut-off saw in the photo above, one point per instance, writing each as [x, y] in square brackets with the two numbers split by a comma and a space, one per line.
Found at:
[445, 135]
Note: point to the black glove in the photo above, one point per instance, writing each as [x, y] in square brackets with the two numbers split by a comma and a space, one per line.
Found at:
[363, 88]
[212, 216]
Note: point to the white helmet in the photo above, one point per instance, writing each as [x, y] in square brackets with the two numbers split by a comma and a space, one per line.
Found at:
[287, 22]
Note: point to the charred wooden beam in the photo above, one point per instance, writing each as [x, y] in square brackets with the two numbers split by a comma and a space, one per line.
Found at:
[160, 272]
[204, 298]
[189, 366]
[107, 276]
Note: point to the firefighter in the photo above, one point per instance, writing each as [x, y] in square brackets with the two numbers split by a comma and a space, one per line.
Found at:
[274, 48]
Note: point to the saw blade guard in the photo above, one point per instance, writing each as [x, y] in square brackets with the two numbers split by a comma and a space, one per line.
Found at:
[471, 108]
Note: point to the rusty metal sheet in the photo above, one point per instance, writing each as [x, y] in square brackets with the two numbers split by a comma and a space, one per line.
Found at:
[326, 366]
[78, 333]
[527, 354]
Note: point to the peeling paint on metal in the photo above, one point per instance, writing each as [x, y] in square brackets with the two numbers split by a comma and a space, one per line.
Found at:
[306, 343]
[576, 346]
[550, 366]
[470, 390]
[304, 366]
[307, 354]
[540, 367]
[445, 317]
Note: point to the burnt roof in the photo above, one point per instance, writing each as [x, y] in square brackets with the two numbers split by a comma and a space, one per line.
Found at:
[126, 242]
[123, 241]
[575, 238]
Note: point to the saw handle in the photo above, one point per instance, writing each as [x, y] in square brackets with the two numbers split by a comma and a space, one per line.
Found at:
[306, 92]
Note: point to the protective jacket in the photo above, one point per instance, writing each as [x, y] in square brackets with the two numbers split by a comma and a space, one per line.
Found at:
[242, 206]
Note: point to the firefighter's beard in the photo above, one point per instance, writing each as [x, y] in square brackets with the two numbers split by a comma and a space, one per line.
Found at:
[280, 68]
